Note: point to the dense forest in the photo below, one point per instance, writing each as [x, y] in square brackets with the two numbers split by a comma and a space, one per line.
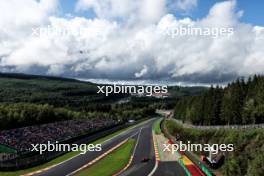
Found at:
[240, 102]
[32, 100]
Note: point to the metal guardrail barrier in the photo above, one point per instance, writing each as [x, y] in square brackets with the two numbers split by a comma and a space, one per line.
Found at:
[219, 126]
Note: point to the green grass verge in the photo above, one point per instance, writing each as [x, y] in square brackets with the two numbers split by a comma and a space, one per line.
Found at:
[67, 155]
[112, 163]
[156, 127]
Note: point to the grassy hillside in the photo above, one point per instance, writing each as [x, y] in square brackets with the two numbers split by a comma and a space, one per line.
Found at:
[247, 157]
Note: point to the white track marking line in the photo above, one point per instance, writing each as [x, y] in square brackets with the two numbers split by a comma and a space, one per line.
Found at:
[102, 155]
[154, 169]
[99, 157]
[134, 151]
[157, 162]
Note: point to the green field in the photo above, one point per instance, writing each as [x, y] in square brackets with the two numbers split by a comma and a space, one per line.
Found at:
[112, 163]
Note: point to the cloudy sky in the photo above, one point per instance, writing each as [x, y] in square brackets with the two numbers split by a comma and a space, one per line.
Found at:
[132, 39]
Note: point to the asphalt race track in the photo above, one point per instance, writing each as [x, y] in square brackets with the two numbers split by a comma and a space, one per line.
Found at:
[143, 148]
[71, 165]
[169, 169]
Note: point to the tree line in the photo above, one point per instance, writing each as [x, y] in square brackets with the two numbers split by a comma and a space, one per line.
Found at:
[240, 102]
[26, 114]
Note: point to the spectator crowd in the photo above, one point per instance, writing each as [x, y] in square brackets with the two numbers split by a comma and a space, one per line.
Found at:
[22, 138]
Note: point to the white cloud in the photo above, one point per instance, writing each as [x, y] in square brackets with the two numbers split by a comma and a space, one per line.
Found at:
[114, 49]
[132, 11]
[222, 14]
[21, 14]
[142, 72]
[17, 18]
[185, 5]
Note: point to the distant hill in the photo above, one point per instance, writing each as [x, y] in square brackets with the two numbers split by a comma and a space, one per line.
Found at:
[27, 100]
[57, 91]
[27, 76]
[64, 92]
[178, 91]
